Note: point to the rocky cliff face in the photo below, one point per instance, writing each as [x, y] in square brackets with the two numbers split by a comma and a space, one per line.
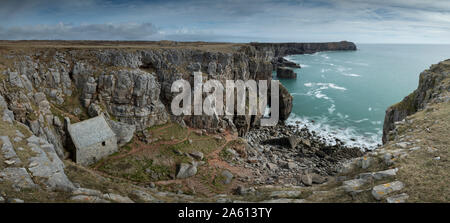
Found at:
[42, 85]
[434, 87]
[283, 49]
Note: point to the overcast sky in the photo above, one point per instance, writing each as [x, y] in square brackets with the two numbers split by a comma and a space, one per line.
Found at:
[361, 21]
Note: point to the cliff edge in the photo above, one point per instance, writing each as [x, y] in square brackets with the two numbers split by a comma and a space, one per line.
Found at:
[434, 87]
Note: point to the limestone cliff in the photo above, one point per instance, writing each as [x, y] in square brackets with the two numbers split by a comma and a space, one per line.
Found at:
[43, 82]
[434, 87]
[284, 49]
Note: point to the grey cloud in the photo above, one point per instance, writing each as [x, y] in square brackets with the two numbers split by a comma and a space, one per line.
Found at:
[123, 31]
[231, 20]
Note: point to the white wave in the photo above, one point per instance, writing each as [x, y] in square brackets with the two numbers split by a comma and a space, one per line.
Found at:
[332, 109]
[288, 58]
[370, 109]
[341, 116]
[319, 94]
[291, 59]
[334, 86]
[330, 133]
[331, 85]
[357, 63]
[376, 122]
[325, 56]
[351, 75]
[362, 120]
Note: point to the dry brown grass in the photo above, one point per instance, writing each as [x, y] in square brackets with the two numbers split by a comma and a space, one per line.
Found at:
[204, 46]
[426, 179]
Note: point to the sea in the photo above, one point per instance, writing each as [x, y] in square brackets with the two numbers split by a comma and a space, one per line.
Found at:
[344, 94]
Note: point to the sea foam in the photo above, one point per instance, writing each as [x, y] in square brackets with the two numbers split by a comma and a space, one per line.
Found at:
[330, 133]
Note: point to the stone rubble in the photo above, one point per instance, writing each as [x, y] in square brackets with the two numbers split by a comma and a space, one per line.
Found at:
[282, 152]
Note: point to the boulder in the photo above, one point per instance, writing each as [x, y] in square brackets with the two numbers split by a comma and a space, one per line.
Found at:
[8, 116]
[197, 155]
[306, 179]
[317, 179]
[383, 174]
[186, 170]
[306, 142]
[228, 176]
[272, 166]
[399, 198]
[289, 142]
[15, 200]
[380, 191]
[291, 165]
[365, 162]
[293, 141]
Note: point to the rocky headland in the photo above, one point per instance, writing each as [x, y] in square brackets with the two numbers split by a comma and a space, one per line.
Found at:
[166, 158]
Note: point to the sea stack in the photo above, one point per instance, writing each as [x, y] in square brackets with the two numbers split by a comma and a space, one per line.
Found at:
[285, 72]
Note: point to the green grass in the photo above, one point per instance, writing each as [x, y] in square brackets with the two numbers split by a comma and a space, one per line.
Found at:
[138, 169]
[225, 155]
[172, 131]
[70, 104]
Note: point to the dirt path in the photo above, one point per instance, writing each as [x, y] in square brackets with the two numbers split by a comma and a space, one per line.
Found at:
[214, 159]
[228, 138]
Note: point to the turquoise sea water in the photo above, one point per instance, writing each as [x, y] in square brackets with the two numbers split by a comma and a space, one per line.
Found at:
[345, 94]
